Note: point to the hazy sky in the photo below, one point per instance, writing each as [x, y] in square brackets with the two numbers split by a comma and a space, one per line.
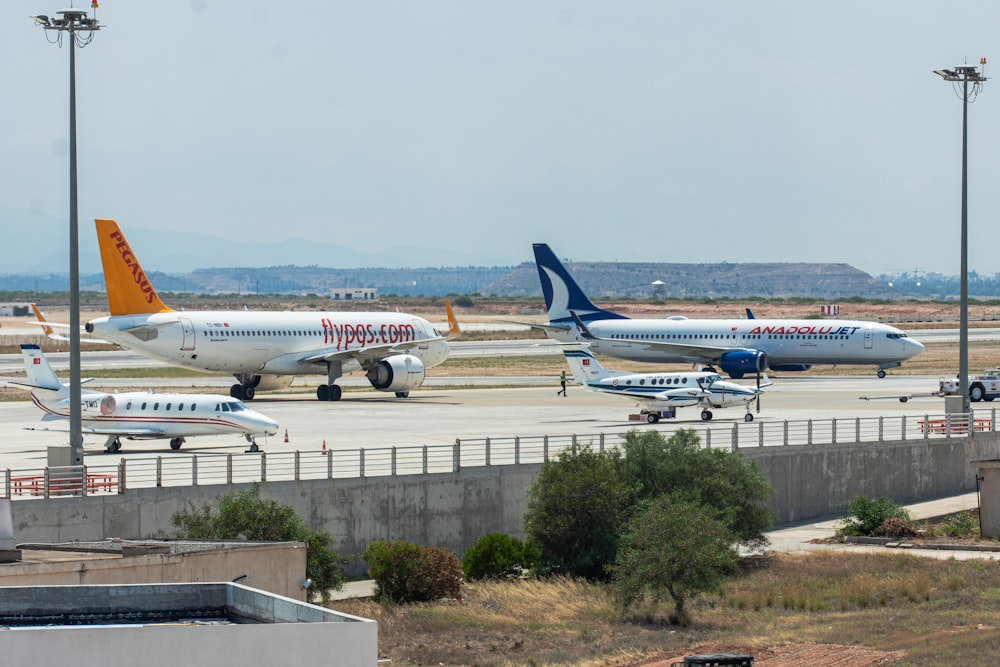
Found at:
[634, 131]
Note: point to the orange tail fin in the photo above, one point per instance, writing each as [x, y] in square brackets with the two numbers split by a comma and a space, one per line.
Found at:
[129, 289]
[453, 330]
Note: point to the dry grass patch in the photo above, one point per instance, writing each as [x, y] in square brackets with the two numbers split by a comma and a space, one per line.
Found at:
[838, 608]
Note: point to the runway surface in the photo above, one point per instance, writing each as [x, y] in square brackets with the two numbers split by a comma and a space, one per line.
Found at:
[369, 419]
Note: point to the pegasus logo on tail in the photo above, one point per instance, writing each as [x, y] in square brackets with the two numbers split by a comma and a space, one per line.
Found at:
[129, 289]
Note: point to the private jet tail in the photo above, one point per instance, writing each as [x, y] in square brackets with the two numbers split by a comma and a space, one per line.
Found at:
[128, 286]
[39, 373]
[586, 368]
[561, 292]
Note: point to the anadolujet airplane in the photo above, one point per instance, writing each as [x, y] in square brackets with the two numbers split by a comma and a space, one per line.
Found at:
[263, 350]
[139, 415]
[659, 392]
[736, 346]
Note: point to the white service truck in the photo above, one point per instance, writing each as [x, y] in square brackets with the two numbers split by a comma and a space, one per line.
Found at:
[983, 387]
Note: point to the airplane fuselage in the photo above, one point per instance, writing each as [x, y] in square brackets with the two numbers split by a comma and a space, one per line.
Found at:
[267, 343]
[148, 415]
[785, 342]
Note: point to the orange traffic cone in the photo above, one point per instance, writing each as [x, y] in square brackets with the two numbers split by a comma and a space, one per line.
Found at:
[286, 435]
[324, 448]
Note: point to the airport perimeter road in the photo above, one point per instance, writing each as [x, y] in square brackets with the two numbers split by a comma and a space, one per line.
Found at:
[438, 416]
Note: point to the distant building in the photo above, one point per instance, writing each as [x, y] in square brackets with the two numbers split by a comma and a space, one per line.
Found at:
[354, 294]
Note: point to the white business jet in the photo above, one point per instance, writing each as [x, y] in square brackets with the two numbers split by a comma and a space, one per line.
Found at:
[737, 347]
[659, 392]
[263, 350]
[139, 415]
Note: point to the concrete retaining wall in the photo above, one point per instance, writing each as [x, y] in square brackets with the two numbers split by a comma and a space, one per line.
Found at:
[456, 509]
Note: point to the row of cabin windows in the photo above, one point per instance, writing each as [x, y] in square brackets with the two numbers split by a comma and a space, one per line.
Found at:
[219, 407]
[732, 337]
[656, 381]
[237, 333]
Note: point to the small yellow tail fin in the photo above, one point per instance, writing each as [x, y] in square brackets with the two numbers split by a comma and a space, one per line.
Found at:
[453, 330]
[41, 318]
[129, 289]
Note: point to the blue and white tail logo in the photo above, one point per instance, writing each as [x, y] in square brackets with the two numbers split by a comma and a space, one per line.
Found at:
[561, 292]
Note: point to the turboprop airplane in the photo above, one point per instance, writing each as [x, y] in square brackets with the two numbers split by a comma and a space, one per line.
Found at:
[263, 350]
[737, 346]
[659, 392]
[140, 415]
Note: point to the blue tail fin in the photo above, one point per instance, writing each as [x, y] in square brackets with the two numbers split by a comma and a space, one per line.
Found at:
[562, 294]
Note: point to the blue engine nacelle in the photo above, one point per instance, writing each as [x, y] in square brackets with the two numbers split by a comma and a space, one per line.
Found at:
[791, 368]
[736, 364]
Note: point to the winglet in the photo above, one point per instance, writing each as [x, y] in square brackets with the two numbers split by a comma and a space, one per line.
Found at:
[128, 286]
[453, 330]
[41, 318]
[584, 331]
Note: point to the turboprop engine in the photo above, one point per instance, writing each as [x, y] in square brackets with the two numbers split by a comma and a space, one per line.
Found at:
[400, 373]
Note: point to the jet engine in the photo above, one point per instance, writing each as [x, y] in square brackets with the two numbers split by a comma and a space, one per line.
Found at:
[737, 363]
[400, 373]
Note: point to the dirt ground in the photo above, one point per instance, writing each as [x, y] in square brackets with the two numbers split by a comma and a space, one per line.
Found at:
[795, 655]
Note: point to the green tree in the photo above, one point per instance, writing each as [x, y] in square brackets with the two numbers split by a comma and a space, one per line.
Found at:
[245, 515]
[498, 556]
[675, 546]
[723, 480]
[575, 509]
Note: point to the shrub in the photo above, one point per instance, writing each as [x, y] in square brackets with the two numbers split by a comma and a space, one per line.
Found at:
[407, 572]
[962, 524]
[896, 528]
[866, 515]
[498, 556]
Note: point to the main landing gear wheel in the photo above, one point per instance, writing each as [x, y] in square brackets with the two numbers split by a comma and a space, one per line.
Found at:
[706, 415]
[880, 373]
[652, 417]
[175, 443]
[328, 392]
[402, 394]
[748, 417]
[242, 392]
[114, 446]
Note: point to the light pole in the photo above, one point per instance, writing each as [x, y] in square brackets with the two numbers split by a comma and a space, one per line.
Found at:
[961, 77]
[80, 29]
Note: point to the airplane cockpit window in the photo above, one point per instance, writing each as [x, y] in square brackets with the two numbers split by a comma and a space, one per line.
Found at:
[237, 406]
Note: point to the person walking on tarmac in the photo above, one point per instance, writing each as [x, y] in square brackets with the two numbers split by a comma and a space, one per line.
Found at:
[562, 381]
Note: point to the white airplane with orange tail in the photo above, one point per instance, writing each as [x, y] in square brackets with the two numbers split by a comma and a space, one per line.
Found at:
[263, 350]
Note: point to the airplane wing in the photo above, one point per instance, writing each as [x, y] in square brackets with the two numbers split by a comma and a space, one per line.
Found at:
[652, 397]
[692, 353]
[47, 329]
[123, 432]
[546, 328]
[366, 354]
